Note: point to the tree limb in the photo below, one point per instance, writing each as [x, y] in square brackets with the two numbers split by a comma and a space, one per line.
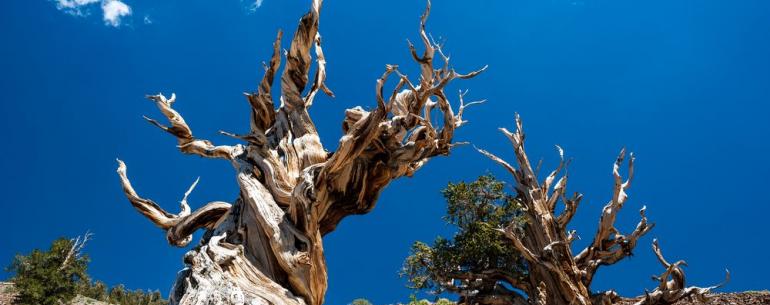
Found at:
[186, 142]
[672, 286]
[179, 227]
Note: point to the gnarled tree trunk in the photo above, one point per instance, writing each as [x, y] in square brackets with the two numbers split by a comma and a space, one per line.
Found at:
[556, 276]
[267, 246]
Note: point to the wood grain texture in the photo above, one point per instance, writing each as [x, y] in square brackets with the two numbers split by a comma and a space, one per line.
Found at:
[556, 276]
[267, 246]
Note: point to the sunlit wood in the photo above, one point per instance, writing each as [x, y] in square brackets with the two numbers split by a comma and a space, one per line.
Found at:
[266, 247]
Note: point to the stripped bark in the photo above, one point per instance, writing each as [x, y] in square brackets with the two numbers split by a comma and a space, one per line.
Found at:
[267, 246]
[76, 250]
[556, 276]
[672, 286]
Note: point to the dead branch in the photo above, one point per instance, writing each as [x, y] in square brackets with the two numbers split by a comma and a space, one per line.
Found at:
[78, 243]
[672, 286]
[555, 275]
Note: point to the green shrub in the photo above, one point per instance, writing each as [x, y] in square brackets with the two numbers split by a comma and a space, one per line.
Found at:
[43, 278]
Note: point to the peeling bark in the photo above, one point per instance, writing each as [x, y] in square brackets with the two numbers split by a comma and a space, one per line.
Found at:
[556, 276]
[267, 247]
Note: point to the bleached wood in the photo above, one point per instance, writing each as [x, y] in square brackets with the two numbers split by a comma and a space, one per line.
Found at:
[76, 250]
[267, 247]
[672, 286]
[555, 276]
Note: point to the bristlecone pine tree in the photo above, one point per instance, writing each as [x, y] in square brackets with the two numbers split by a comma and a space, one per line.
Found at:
[478, 263]
[555, 275]
[267, 246]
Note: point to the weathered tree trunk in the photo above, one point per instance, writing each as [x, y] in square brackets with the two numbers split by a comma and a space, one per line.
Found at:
[267, 246]
[556, 277]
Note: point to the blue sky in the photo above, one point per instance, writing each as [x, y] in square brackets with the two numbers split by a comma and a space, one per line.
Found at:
[683, 84]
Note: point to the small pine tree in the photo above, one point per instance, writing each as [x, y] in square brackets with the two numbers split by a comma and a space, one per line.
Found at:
[478, 260]
[48, 277]
[56, 276]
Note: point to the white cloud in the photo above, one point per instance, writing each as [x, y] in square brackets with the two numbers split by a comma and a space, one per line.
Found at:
[74, 7]
[113, 11]
[255, 5]
[147, 19]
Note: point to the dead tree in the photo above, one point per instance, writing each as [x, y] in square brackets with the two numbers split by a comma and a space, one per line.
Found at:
[266, 247]
[556, 276]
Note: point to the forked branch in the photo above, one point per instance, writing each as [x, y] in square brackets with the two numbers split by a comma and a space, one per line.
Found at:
[609, 245]
[76, 249]
[672, 286]
[179, 227]
[179, 128]
[545, 242]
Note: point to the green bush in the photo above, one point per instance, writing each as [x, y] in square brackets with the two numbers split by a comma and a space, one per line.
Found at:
[42, 278]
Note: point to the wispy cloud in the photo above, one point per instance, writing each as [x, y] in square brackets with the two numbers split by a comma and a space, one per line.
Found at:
[74, 7]
[113, 11]
[254, 5]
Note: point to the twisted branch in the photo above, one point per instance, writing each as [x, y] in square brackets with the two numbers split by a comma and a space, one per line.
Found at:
[179, 227]
[609, 246]
[672, 286]
[179, 128]
[545, 242]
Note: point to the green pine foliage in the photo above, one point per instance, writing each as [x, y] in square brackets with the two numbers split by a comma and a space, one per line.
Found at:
[42, 278]
[477, 209]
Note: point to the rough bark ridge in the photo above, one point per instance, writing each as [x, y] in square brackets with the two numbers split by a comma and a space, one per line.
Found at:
[267, 246]
[556, 276]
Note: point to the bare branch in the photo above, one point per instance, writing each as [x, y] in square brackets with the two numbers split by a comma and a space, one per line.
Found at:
[400, 127]
[262, 107]
[320, 76]
[609, 246]
[672, 287]
[185, 208]
[186, 142]
[76, 249]
[179, 227]
[570, 208]
[526, 252]
[459, 121]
